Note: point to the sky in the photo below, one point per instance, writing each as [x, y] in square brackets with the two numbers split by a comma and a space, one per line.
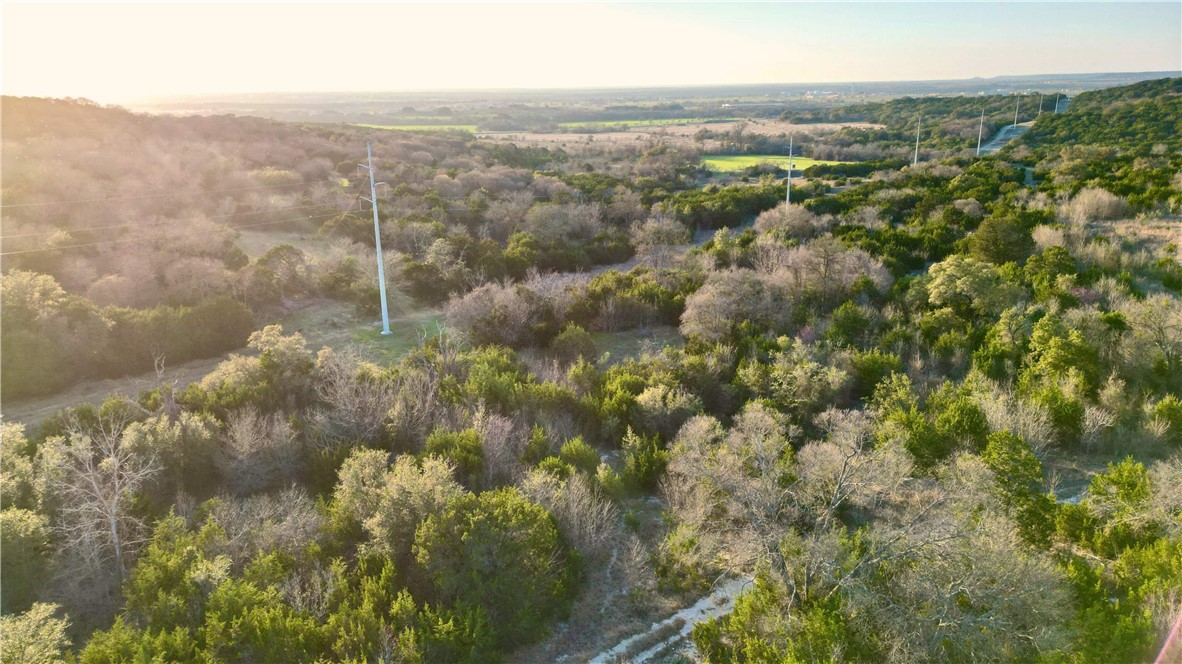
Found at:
[121, 52]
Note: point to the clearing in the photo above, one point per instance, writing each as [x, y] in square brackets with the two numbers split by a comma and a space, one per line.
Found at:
[627, 344]
[737, 162]
[322, 322]
[255, 243]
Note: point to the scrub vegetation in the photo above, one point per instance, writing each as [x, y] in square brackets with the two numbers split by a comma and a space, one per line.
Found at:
[634, 381]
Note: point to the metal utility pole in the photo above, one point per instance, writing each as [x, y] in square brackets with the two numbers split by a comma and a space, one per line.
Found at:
[918, 129]
[377, 237]
[980, 132]
[1016, 104]
[788, 193]
[1057, 103]
[1039, 106]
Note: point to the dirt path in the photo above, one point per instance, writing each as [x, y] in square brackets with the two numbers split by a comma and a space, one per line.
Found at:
[32, 411]
[663, 634]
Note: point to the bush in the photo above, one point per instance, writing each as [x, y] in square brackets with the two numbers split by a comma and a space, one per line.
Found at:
[1169, 412]
[501, 553]
[461, 448]
[579, 455]
[572, 344]
[644, 461]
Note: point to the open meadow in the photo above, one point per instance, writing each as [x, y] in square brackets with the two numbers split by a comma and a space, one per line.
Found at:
[738, 162]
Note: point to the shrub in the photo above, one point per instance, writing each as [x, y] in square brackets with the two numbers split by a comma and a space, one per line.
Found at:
[501, 553]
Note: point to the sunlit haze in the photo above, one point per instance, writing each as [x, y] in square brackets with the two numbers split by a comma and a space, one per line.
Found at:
[121, 52]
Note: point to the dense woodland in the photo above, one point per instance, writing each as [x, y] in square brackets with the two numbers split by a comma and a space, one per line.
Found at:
[932, 413]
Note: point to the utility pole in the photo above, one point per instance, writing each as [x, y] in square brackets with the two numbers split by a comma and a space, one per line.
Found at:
[1057, 103]
[980, 132]
[377, 236]
[788, 194]
[1016, 103]
[918, 129]
[1039, 106]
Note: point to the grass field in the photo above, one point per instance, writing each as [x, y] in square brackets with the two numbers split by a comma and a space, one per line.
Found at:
[421, 127]
[737, 162]
[634, 343]
[660, 122]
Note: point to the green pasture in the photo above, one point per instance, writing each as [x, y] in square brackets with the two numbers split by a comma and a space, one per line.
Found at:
[737, 162]
[657, 122]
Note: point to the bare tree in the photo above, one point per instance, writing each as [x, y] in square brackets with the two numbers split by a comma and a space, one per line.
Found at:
[657, 237]
[94, 478]
[503, 442]
[259, 451]
[791, 221]
[357, 402]
[284, 521]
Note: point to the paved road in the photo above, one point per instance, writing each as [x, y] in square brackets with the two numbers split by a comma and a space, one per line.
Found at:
[1003, 137]
[1010, 132]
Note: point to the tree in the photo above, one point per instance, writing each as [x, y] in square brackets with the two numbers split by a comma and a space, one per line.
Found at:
[501, 553]
[969, 284]
[662, 409]
[19, 485]
[1018, 477]
[185, 448]
[656, 238]
[463, 449]
[790, 222]
[34, 637]
[1001, 240]
[644, 460]
[260, 451]
[387, 503]
[24, 541]
[356, 401]
[95, 478]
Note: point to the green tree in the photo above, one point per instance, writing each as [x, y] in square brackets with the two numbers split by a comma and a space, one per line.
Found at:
[1000, 240]
[1018, 477]
[24, 545]
[501, 553]
[462, 449]
[34, 637]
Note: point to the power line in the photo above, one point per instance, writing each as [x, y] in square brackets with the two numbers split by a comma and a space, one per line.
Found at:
[161, 237]
[156, 223]
[182, 193]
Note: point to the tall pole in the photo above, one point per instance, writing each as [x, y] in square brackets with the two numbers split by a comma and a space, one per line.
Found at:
[918, 129]
[1056, 103]
[980, 132]
[1016, 103]
[788, 193]
[377, 240]
[1039, 106]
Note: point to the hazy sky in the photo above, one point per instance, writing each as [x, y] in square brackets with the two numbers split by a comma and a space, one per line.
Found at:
[118, 52]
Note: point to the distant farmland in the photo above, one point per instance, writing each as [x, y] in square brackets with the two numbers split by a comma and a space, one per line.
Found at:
[424, 127]
[737, 162]
[657, 122]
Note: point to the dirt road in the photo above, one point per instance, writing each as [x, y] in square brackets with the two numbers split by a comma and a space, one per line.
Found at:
[667, 633]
